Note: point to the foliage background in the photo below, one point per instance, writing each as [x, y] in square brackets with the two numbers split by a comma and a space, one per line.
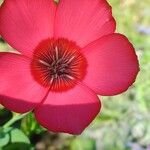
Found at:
[124, 122]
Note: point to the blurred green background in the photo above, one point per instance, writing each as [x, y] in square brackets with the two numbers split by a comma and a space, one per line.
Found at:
[124, 122]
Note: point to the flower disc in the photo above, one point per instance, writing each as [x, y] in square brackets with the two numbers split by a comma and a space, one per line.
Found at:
[58, 64]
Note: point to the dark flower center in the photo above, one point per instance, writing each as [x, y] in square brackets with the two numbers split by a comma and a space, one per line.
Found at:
[58, 64]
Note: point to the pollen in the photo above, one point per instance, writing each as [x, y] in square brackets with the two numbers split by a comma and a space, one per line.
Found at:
[58, 64]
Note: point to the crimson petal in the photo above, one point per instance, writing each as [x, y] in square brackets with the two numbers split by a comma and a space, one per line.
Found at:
[18, 91]
[112, 65]
[25, 23]
[70, 111]
[83, 21]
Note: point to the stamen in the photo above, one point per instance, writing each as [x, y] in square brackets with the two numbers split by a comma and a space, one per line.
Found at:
[56, 50]
[52, 79]
[44, 63]
[70, 60]
[70, 77]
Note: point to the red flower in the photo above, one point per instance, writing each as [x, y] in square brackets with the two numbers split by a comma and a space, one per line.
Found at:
[69, 53]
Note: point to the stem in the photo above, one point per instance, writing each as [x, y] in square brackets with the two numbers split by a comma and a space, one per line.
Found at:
[15, 118]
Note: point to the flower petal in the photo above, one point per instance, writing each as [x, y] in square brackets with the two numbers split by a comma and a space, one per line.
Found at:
[70, 112]
[25, 23]
[112, 65]
[83, 21]
[18, 91]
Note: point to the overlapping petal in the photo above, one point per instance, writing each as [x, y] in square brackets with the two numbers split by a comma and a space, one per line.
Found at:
[18, 91]
[83, 21]
[69, 111]
[25, 23]
[112, 65]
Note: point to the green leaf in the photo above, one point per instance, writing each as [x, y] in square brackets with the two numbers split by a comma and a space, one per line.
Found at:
[4, 138]
[17, 146]
[29, 125]
[18, 136]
